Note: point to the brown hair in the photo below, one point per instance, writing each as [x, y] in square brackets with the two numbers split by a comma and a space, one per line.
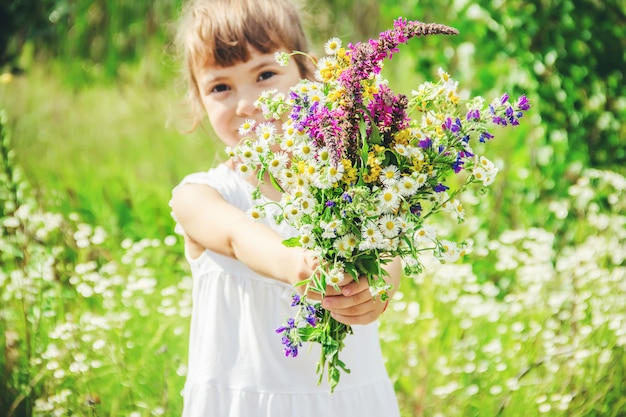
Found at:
[219, 32]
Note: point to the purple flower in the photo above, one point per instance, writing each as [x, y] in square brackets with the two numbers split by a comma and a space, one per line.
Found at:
[330, 203]
[440, 188]
[416, 209]
[296, 300]
[425, 143]
[523, 103]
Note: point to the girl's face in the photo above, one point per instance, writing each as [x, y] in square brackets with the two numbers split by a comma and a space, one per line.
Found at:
[228, 93]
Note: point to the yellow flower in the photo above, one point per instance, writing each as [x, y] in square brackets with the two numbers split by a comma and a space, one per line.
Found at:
[350, 173]
[402, 137]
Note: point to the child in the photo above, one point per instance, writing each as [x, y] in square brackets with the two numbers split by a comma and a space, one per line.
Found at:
[243, 274]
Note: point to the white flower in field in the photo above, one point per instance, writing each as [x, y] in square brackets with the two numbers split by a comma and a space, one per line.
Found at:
[336, 275]
[277, 163]
[335, 173]
[247, 126]
[246, 153]
[255, 213]
[288, 144]
[371, 236]
[287, 179]
[307, 240]
[449, 251]
[390, 225]
[379, 290]
[170, 240]
[244, 169]
[401, 150]
[11, 222]
[260, 148]
[304, 150]
[332, 46]
[407, 186]
[331, 228]
[415, 153]
[307, 204]
[389, 175]
[59, 374]
[292, 212]
[420, 180]
[266, 132]
[425, 233]
[346, 244]
[389, 199]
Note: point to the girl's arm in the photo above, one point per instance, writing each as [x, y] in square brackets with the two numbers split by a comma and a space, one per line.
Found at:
[212, 223]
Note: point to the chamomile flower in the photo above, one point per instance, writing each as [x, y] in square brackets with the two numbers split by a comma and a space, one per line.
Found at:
[407, 186]
[345, 244]
[425, 234]
[307, 204]
[332, 46]
[260, 148]
[335, 173]
[380, 290]
[266, 131]
[331, 228]
[282, 58]
[371, 236]
[304, 151]
[336, 275]
[247, 127]
[448, 252]
[244, 169]
[307, 239]
[389, 225]
[401, 150]
[389, 199]
[389, 175]
[256, 213]
[278, 162]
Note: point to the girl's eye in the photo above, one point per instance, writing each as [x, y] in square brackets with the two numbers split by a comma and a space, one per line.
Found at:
[220, 88]
[266, 75]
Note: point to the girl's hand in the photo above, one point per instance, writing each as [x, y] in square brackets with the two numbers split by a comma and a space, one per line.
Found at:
[355, 304]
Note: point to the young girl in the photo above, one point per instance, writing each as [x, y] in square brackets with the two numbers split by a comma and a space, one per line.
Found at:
[243, 274]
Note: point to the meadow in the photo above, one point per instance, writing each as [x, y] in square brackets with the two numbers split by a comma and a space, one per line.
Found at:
[95, 290]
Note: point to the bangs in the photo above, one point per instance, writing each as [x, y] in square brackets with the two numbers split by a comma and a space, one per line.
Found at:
[224, 36]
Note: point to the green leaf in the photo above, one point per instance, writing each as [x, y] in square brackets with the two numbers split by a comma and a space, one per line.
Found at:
[293, 242]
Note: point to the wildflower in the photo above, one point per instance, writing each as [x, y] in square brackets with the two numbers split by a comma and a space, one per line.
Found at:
[332, 46]
[247, 127]
[390, 225]
[282, 58]
[389, 198]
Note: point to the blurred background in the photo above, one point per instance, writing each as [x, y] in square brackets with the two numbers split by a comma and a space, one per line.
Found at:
[94, 287]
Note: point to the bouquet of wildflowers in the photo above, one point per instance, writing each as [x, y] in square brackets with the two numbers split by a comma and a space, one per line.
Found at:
[363, 170]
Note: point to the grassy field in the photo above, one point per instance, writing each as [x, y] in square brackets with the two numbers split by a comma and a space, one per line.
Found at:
[96, 294]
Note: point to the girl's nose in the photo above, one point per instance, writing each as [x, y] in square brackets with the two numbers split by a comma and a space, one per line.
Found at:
[245, 105]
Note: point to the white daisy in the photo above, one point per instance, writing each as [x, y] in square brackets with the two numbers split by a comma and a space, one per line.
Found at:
[266, 131]
[307, 204]
[247, 126]
[278, 162]
[449, 251]
[304, 151]
[389, 225]
[389, 175]
[332, 46]
[346, 244]
[425, 233]
[336, 275]
[389, 199]
[407, 186]
[256, 213]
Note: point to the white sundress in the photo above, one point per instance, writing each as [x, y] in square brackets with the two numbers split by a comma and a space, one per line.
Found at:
[236, 364]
